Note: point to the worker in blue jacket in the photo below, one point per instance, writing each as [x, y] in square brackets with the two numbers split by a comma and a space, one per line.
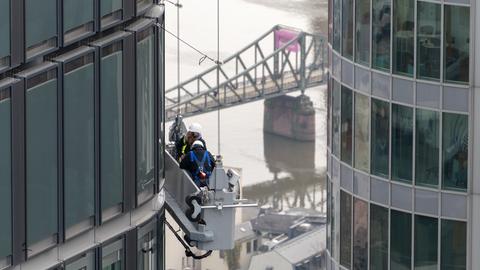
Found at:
[199, 163]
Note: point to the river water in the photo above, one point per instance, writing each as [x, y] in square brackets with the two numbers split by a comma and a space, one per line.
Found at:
[276, 172]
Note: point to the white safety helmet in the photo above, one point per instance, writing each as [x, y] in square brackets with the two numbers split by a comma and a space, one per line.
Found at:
[195, 128]
[198, 142]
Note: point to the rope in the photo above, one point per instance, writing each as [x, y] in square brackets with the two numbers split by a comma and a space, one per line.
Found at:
[218, 75]
[178, 56]
[188, 251]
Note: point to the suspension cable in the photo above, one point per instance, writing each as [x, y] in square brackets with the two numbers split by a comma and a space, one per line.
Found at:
[218, 75]
[178, 56]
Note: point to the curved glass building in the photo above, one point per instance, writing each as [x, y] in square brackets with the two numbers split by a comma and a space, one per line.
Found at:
[403, 155]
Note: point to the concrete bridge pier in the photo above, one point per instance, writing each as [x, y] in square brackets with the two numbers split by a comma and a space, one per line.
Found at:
[291, 117]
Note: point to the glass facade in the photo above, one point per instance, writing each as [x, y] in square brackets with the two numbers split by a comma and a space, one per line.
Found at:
[113, 256]
[145, 115]
[347, 28]
[346, 125]
[111, 11]
[426, 243]
[403, 36]
[111, 127]
[147, 247]
[362, 31]
[400, 240]
[345, 229]
[360, 234]
[378, 237]
[455, 151]
[429, 26]
[362, 132]
[85, 262]
[402, 142]
[381, 28]
[453, 254]
[41, 158]
[5, 174]
[337, 24]
[41, 26]
[426, 147]
[380, 123]
[78, 16]
[336, 119]
[4, 32]
[457, 44]
[79, 144]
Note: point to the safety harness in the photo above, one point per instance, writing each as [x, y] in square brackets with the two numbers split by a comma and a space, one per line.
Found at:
[201, 173]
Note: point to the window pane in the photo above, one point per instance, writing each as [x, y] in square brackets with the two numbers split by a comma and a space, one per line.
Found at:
[86, 262]
[4, 29]
[76, 13]
[428, 40]
[41, 126]
[79, 151]
[362, 132]
[426, 147]
[346, 126]
[329, 215]
[337, 25]
[401, 241]
[402, 142]
[145, 117]
[457, 42]
[147, 247]
[5, 177]
[112, 256]
[336, 119]
[378, 237]
[381, 27]
[454, 245]
[380, 137]
[426, 243]
[111, 138]
[109, 6]
[345, 229]
[362, 31]
[143, 4]
[41, 24]
[360, 235]
[347, 28]
[332, 221]
[455, 151]
[403, 36]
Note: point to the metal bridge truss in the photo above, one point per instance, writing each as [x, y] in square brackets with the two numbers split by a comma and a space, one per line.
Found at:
[280, 61]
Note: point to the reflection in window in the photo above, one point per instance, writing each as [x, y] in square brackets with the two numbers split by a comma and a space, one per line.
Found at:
[4, 32]
[145, 115]
[362, 32]
[337, 24]
[426, 147]
[41, 174]
[147, 247]
[112, 256]
[378, 237]
[360, 235]
[428, 40]
[403, 36]
[401, 240]
[347, 28]
[346, 125]
[79, 146]
[111, 127]
[5, 175]
[143, 4]
[362, 132]
[110, 11]
[85, 262]
[455, 151]
[457, 42]
[380, 137]
[77, 18]
[40, 26]
[454, 245]
[402, 142]
[426, 242]
[345, 229]
[381, 28]
[336, 119]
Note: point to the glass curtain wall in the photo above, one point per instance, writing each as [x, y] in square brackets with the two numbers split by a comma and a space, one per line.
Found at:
[454, 245]
[337, 24]
[429, 29]
[381, 28]
[41, 159]
[347, 28]
[5, 175]
[346, 125]
[113, 256]
[426, 243]
[4, 33]
[402, 142]
[455, 151]
[362, 32]
[79, 143]
[77, 18]
[380, 124]
[403, 36]
[378, 237]
[110, 11]
[426, 147]
[85, 262]
[40, 26]
[362, 132]
[360, 234]
[147, 247]
[345, 229]
[457, 44]
[111, 128]
[336, 119]
[401, 242]
[145, 115]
